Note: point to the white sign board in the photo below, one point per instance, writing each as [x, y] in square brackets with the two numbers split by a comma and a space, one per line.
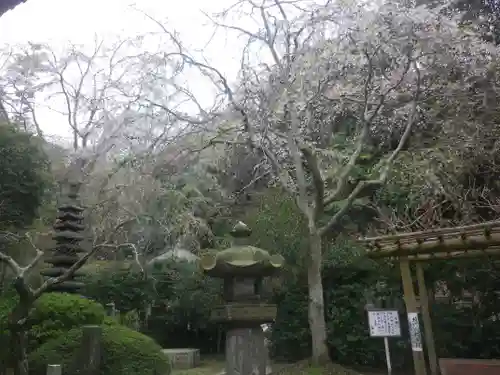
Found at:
[384, 323]
[415, 335]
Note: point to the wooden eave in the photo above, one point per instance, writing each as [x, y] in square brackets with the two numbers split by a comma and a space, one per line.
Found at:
[469, 241]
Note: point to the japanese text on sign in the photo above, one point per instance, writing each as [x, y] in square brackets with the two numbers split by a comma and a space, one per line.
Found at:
[384, 323]
[415, 336]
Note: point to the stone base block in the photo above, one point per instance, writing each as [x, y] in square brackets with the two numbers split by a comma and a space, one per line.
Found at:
[183, 358]
[244, 312]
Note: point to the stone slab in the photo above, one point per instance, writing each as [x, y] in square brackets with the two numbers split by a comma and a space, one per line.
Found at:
[456, 366]
[183, 358]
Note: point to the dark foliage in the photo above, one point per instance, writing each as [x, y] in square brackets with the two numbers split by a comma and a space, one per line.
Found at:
[23, 167]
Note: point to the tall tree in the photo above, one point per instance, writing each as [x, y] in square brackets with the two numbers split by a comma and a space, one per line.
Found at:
[333, 103]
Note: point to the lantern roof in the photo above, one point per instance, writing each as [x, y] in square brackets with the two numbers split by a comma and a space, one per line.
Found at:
[241, 259]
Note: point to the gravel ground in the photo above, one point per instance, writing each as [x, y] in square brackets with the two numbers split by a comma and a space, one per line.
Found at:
[216, 366]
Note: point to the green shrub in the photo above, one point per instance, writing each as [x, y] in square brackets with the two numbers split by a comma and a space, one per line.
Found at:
[119, 283]
[124, 351]
[179, 295]
[52, 315]
[25, 166]
[7, 303]
[183, 307]
[56, 313]
[111, 321]
[130, 319]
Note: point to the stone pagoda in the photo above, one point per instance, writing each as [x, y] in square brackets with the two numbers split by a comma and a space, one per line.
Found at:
[243, 268]
[68, 234]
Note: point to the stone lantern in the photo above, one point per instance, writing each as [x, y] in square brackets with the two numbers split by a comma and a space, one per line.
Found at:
[243, 267]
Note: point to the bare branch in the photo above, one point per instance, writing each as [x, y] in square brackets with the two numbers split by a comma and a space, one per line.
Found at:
[11, 263]
[367, 121]
[18, 270]
[38, 256]
[384, 174]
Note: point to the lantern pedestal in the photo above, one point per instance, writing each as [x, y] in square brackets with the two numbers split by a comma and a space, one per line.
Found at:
[246, 352]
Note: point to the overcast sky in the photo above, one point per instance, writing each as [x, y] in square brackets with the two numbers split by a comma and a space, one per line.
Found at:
[78, 21]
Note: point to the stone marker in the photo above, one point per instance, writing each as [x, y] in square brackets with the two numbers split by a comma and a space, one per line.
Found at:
[54, 370]
[243, 268]
[184, 358]
[90, 350]
[111, 309]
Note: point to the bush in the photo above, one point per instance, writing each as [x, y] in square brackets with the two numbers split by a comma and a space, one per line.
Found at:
[119, 283]
[184, 305]
[25, 167]
[345, 293]
[53, 314]
[56, 313]
[290, 334]
[7, 303]
[123, 351]
[181, 300]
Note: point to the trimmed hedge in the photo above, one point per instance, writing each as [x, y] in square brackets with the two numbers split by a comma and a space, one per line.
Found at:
[124, 351]
[57, 313]
[53, 315]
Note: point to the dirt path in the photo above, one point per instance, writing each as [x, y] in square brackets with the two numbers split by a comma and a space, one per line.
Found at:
[365, 371]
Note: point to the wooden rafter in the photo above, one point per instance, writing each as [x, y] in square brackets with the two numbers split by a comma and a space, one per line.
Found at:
[460, 242]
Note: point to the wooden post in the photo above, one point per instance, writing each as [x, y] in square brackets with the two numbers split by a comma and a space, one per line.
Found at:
[90, 359]
[426, 317]
[54, 370]
[413, 324]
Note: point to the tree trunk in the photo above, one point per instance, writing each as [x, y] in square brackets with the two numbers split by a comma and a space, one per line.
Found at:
[18, 349]
[317, 321]
[3, 273]
[17, 328]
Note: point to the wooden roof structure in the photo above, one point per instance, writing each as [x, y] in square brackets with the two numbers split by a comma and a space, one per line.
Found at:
[469, 241]
[6, 5]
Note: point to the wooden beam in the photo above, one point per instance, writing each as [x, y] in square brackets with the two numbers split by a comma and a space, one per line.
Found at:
[478, 242]
[412, 311]
[464, 254]
[493, 252]
[433, 232]
[426, 317]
